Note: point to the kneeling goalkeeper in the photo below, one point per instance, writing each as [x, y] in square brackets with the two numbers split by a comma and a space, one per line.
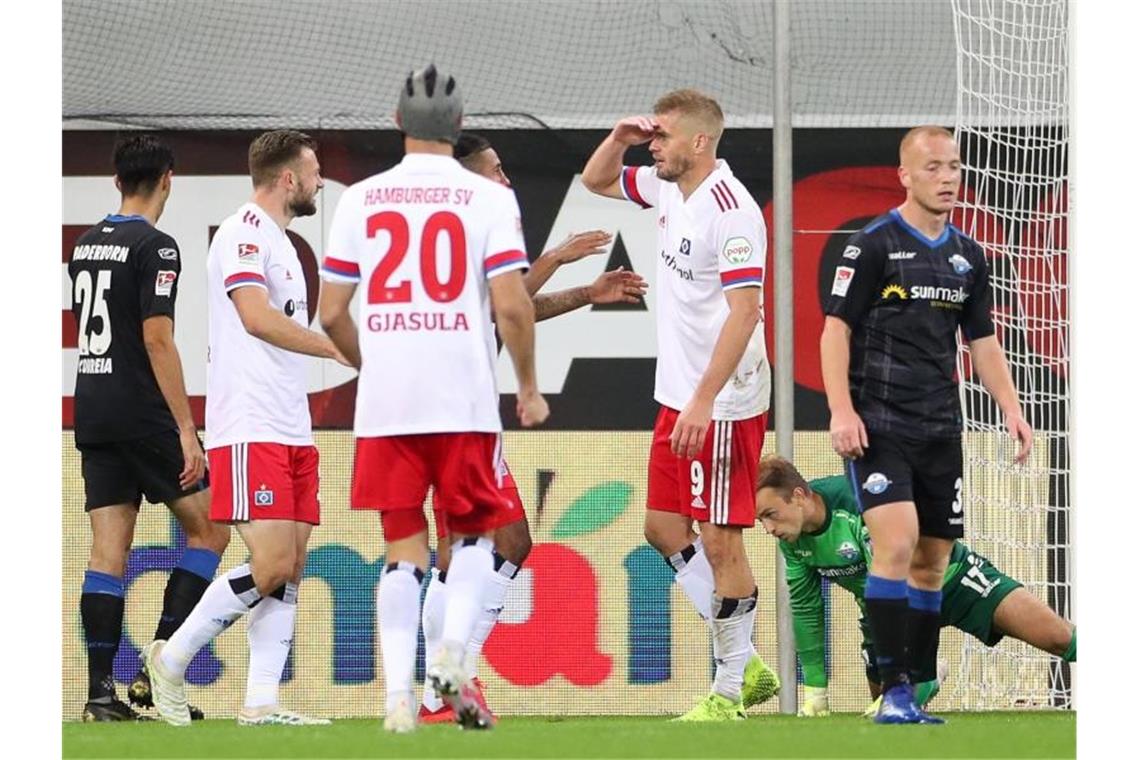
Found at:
[822, 535]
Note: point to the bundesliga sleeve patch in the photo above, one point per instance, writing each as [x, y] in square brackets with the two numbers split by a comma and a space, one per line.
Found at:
[737, 250]
[164, 282]
[842, 281]
[248, 253]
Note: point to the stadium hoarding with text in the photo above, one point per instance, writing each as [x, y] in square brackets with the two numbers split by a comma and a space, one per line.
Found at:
[594, 623]
[595, 364]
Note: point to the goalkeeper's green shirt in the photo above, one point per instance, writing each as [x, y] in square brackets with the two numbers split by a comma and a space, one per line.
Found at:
[841, 552]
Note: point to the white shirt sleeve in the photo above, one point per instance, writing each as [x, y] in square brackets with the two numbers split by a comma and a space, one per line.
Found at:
[506, 251]
[641, 185]
[243, 254]
[342, 255]
[741, 243]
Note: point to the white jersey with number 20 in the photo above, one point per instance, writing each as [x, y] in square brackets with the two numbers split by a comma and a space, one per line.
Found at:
[423, 239]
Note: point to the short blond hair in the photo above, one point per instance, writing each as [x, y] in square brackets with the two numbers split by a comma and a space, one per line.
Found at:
[925, 130]
[694, 105]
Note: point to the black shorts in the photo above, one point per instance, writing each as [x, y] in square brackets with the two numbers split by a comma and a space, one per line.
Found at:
[928, 473]
[121, 472]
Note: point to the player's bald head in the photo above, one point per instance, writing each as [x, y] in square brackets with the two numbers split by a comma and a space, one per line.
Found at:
[916, 140]
[697, 111]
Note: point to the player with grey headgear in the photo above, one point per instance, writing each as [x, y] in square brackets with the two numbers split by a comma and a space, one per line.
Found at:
[425, 197]
[431, 106]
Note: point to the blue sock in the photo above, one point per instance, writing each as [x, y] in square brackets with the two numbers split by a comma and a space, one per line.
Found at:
[886, 604]
[95, 582]
[201, 562]
[101, 609]
[187, 582]
[924, 620]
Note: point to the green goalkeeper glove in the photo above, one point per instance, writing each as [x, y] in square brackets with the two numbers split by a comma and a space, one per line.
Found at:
[815, 702]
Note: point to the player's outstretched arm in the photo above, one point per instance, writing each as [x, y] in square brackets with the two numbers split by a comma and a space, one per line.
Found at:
[989, 362]
[848, 436]
[602, 174]
[336, 320]
[618, 286]
[688, 437]
[574, 247]
[514, 316]
[264, 322]
[158, 337]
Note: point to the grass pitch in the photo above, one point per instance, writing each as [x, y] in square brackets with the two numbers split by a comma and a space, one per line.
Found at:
[965, 735]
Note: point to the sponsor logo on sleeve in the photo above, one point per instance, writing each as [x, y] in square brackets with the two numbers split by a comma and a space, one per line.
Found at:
[852, 252]
[737, 250]
[164, 282]
[961, 266]
[876, 483]
[170, 254]
[848, 551]
[248, 253]
[842, 281]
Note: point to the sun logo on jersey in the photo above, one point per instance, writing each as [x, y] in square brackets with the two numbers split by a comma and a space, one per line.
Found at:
[894, 290]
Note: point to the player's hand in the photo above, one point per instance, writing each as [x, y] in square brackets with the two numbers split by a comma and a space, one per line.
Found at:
[338, 357]
[1020, 431]
[579, 245]
[634, 130]
[688, 436]
[193, 458]
[848, 436]
[531, 408]
[618, 286]
[815, 702]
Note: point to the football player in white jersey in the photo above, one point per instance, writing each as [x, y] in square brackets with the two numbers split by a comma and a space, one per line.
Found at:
[713, 379]
[259, 436]
[512, 539]
[438, 249]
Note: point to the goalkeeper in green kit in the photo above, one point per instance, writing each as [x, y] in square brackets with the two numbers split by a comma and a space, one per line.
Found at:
[822, 535]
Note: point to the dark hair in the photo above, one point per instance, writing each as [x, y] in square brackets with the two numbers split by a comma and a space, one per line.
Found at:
[140, 161]
[468, 146]
[271, 151]
[780, 474]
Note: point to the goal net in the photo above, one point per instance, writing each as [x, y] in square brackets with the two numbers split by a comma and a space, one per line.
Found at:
[1012, 127]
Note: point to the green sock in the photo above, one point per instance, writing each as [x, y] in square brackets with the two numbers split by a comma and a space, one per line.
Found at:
[925, 691]
[1070, 654]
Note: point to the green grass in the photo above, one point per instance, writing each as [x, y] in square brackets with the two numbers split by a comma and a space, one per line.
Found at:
[981, 735]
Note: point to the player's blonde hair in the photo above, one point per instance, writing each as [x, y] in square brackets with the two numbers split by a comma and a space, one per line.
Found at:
[925, 130]
[696, 107]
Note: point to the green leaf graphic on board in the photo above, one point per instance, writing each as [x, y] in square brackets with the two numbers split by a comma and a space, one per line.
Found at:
[598, 507]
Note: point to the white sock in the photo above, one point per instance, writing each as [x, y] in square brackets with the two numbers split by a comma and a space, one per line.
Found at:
[469, 577]
[493, 602]
[227, 598]
[435, 605]
[695, 577]
[732, 644]
[398, 610]
[270, 637]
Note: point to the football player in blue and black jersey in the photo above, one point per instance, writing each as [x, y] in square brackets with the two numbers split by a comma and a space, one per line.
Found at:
[133, 425]
[901, 291]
